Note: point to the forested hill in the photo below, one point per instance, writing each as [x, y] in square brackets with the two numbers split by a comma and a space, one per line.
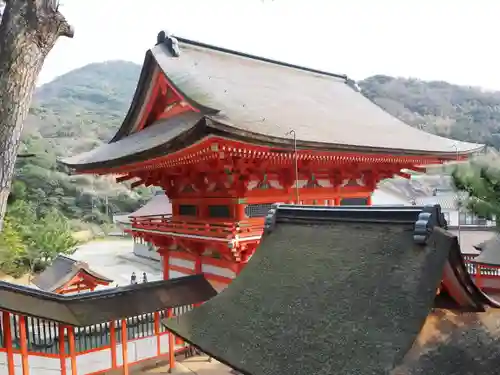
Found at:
[459, 112]
[74, 113]
[84, 108]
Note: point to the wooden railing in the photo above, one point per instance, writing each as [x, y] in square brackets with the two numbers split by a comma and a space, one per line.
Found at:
[492, 272]
[207, 228]
[90, 350]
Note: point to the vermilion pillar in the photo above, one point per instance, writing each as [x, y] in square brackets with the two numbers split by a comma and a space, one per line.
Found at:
[62, 349]
[8, 342]
[124, 347]
[23, 340]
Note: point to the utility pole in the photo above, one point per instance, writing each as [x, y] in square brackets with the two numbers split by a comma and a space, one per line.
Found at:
[296, 162]
[459, 197]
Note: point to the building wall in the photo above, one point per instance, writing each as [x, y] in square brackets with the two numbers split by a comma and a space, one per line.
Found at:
[92, 362]
[453, 218]
[383, 198]
[144, 250]
[94, 348]
[218, 272]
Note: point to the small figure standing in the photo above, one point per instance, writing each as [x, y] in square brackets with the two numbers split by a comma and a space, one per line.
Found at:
[133, 278]
[144, 277]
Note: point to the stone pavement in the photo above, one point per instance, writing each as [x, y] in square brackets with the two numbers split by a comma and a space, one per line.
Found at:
[198, 365]
[115, 259]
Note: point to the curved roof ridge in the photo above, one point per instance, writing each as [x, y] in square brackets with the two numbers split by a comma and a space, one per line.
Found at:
[261, 58]
[105, 305]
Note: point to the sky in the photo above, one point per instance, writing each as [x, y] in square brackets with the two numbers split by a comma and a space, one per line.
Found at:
[455, 41]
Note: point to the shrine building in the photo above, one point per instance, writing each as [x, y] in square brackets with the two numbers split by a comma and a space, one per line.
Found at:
[69, 276]
[226, 134]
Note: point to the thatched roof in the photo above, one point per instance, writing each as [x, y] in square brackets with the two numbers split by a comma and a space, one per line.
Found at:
[329, 291]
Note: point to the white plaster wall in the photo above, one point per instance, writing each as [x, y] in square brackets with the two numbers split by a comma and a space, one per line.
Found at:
[18, 366]
[3, 363]
[164, 343]
[453, 217]
[93, 361]
[145, 348]
[43, 365]
[454, 220]
[131, 353]
[181, 263]
[218, 270]
[175, 274]
[380, 197]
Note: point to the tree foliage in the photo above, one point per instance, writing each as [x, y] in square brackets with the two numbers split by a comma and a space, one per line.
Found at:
[30, 242]
[481, 187]
[74, 113]
[13, 250]
[459, 112]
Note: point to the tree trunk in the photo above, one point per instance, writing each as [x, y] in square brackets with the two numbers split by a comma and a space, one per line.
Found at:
[28, 31]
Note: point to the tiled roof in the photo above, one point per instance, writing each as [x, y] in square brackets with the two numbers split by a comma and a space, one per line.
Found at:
[490, 251]
[158, 138]
[262, 97]
[158, 205]
[61, 271]
[258, 100]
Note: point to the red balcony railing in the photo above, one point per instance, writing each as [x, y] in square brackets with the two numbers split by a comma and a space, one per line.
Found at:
[208, 228]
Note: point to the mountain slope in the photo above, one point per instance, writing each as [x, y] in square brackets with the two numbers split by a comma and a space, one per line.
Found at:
[84, 108]
[459, 112]
[77, 112]
[87, 104]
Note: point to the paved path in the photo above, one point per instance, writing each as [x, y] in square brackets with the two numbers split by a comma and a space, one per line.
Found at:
[195, 366]
[115, 259]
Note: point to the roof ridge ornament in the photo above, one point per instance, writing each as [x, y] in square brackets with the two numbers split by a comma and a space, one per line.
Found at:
[425, 218]
[270, 220]
[171, 42]
[428, 219]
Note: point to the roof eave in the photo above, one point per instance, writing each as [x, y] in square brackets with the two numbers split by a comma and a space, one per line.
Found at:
[224, 125]
[188, 137]
[138, 99]
[182, 291]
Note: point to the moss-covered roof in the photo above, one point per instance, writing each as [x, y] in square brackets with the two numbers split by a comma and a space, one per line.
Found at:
[324, 295]
[455, 344]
